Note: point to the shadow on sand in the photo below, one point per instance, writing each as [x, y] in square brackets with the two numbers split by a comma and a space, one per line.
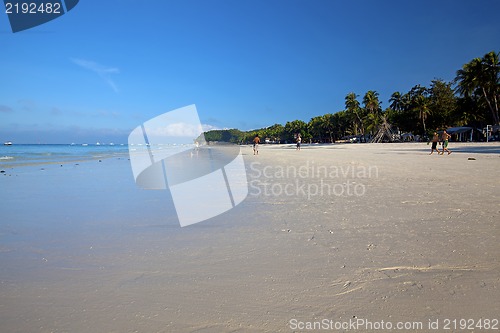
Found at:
[476, 149]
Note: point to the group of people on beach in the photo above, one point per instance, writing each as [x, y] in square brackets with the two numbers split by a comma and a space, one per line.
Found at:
[441, 139]
[435, 139]
[256, 142]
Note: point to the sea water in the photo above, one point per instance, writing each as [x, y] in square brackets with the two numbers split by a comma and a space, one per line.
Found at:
[51, 183]
[33, 154]
[69, 193]
[36, 154]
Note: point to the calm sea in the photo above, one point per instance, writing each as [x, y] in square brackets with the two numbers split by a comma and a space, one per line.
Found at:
[33, 154]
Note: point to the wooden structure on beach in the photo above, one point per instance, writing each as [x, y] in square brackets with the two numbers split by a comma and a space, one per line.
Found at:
[385, 133]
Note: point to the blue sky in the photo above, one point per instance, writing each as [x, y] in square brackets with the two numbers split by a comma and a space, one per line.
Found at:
[105, 67]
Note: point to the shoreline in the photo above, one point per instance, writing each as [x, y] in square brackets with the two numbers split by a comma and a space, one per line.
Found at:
[97, 253]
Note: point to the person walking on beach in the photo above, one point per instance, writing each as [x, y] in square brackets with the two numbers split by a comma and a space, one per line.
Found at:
[256, 142]
[445, 137]
[299, 141]
[435, 139]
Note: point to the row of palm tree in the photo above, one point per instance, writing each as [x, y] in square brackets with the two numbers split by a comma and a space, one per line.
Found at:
[472, 99]
[479, 82]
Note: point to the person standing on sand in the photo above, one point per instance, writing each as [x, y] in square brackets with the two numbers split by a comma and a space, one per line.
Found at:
[299, 141]
[445, 137]
[435, 139]
[256, 142]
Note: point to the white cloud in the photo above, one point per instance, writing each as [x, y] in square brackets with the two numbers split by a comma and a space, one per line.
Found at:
[175, 130]
[179, 129]
[103, 71]
[207, 127]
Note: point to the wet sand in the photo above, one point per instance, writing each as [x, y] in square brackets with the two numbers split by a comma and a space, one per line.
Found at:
[329, 234]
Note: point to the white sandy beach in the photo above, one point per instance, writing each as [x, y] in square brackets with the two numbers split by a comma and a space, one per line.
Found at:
[329, 234]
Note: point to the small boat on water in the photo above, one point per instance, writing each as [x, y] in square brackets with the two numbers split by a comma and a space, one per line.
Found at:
[8, 143]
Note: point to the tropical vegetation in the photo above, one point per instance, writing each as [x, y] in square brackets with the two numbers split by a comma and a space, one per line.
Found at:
[471, 99]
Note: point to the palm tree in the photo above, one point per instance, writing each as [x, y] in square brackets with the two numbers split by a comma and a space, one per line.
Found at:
[373, 121]
[442, 104]
[341, 124]
[396, 101]
[275, 132]
[316, 127]
[371, 101]
[491, 86]
[329, 125]
[352, 106]
[422, 107]
[482, 77]
[295, 127]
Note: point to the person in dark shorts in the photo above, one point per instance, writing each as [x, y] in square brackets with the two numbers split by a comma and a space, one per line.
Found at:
[435, 139]
[299, 141]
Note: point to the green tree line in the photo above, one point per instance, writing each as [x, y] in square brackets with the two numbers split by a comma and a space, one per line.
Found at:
[471, 99]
